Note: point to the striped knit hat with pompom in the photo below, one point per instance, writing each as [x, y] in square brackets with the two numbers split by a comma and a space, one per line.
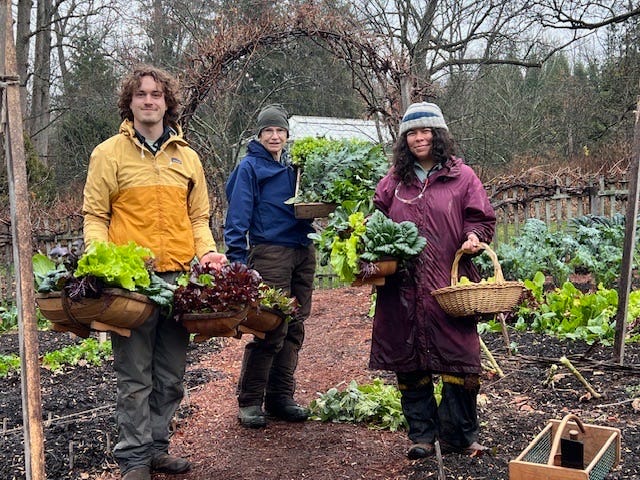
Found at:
[422, 115]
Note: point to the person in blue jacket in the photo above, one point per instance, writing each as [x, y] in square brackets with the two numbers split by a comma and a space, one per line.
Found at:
[261, 230]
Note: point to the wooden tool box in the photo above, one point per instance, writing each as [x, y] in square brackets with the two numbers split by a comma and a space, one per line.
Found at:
[541, 459]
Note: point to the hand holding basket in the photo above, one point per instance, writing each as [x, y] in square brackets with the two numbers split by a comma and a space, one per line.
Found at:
[479, 298]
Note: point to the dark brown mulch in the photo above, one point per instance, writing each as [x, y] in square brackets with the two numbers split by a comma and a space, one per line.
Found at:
[513, 409]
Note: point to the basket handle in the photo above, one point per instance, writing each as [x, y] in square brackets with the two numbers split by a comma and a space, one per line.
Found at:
[66, 307]
[558, 435]
[494, 258]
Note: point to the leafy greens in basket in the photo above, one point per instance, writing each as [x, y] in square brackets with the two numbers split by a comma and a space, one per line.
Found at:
[102, 265]
[337, 170]
[277, 299]
[351, 241]
[205, 289]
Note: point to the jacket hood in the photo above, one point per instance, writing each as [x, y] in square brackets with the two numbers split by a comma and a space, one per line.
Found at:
[256, 149]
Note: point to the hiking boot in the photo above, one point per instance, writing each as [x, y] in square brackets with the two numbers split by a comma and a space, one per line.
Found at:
[288, 412]
[165, 463]
[252, 417]
[420, 450]
[138, 473]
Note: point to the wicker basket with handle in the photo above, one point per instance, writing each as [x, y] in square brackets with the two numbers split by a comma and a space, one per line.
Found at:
[116, 310]
[479, 298]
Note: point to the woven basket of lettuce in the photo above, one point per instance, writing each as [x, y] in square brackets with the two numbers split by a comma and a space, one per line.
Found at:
[213, 303]
[107, 288]
[333, 171]
[273, 307]
[490, 296]
[364, 250]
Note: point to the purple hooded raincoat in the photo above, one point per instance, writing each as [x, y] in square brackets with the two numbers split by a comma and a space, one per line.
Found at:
[410, 331]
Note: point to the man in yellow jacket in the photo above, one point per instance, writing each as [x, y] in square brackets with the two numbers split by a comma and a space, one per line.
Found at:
[147, 185]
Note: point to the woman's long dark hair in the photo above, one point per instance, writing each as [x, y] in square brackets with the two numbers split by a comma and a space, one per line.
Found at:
[442, 146]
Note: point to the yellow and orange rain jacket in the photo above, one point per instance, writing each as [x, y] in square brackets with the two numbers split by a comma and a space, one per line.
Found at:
[159, 201]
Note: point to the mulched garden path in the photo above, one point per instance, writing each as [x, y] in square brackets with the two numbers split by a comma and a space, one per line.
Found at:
[513, 409]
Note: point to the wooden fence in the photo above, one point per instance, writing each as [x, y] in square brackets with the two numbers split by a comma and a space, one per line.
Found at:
[554, 202]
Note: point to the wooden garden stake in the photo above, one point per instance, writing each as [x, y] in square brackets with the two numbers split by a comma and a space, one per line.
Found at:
[441, 474]
[626, 268]
[11, 130]
[71, 459]
[505, 334]
[567, 363]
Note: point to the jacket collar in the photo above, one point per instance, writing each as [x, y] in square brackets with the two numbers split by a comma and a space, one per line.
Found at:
[256, 149]
[175, 133]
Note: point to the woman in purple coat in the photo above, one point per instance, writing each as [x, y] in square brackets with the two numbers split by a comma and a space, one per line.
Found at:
[412, 335]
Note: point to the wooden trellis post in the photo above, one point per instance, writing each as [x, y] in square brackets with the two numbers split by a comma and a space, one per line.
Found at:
[11, 128]
[629, 246]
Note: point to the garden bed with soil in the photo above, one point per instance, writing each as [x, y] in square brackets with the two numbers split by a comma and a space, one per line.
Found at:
[513, 409]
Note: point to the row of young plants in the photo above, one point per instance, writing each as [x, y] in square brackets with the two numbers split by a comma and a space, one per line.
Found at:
[544, 259]
[87, 352]
[587, 245]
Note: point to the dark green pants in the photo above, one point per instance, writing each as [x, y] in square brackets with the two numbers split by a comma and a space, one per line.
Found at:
[454, 420]
[269, 364]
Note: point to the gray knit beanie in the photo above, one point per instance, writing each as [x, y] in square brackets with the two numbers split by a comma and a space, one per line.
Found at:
[422, 115]
[272, 116]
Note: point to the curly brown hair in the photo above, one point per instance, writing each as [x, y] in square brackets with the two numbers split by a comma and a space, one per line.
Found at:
[170, 88]
[442, 146]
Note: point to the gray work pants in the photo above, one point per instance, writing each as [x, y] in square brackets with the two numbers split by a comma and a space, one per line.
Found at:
[269, 364]
[150, 367]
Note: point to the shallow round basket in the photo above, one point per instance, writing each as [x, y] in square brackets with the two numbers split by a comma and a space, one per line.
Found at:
[214, 324]
[383, 268]
[479, 299]
[116, 309]
[263, 319]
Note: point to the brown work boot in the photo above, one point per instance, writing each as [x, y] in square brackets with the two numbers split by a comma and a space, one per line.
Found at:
[138, 473]
[165, 463]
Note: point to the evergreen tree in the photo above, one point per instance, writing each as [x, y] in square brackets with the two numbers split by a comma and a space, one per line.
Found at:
[87, 112]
